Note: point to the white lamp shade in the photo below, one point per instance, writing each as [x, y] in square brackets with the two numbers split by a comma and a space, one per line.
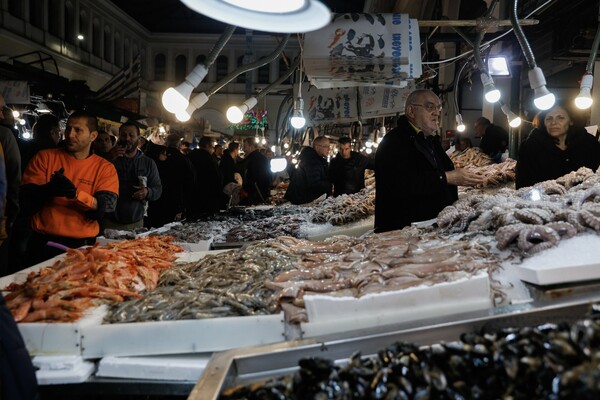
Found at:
[183, 116]
[298, 121]
[176, 99]
[278, 164]
[234, 114]
[584, 100]
[544, 101]
[293, 17]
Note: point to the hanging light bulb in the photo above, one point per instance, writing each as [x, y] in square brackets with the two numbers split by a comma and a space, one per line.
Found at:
[235, 114]
[177, 99]
[297, 120]
[492, 95]
[182, 116]
[584, 100]
[460, 125]
[513, 119]
[543, 99]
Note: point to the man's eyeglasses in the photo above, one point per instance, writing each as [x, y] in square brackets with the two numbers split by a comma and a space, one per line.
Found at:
[430, 107]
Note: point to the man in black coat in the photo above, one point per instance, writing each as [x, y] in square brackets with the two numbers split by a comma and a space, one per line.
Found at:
[494, 139]
[310, 178]
[208, 195]
[227, 164]
[414, 177]
[257, 178]
[347, 169]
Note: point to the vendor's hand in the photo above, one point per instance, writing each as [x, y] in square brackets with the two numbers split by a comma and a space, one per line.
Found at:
[141, 192]
[463, 177]
[61, 186]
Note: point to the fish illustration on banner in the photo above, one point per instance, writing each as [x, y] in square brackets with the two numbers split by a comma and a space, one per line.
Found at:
[337, 105]
[363, 49]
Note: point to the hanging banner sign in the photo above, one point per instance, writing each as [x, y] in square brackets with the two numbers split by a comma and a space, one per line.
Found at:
[357, 49]
[15, 92]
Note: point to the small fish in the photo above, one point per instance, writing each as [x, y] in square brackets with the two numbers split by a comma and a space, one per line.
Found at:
[381, 42]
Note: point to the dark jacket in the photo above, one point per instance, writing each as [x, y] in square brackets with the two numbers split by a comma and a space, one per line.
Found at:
[310, 178]
[227, 168]
[257, 179]
[17, 376]
[494, 142]
[208, 191]
[411, 184]
[348, 175]
[130, 210]
[540, 159]
[178, 180]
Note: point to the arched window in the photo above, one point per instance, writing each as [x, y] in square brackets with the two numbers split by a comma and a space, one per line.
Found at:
[283, 68]
[180, 68]
[70, 34]
[96, 38]
[54, 18]
[126, 53]
[222, 67]
[118, 54]
[36, 14]
[160, 67]
[108, 54]
[241, 78]
[263, 73]
[83, 29]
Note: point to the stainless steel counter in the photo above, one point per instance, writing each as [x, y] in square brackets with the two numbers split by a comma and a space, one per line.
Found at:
[554, 304]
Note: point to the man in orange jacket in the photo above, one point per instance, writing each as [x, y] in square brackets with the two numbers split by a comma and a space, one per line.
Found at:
[67, 190]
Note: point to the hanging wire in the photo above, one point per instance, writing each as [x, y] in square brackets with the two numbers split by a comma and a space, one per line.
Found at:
[486, 44]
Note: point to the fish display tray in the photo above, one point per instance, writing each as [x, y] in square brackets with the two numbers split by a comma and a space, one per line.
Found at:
[574, 260]
[89, 338]
[328, 314]
[179, 337]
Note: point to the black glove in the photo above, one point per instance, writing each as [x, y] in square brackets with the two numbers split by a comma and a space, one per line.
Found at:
[61, 186]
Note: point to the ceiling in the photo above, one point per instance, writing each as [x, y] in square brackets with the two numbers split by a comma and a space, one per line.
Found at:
[564, 25]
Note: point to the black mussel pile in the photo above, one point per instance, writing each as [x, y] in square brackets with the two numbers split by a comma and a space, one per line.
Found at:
[545, 362]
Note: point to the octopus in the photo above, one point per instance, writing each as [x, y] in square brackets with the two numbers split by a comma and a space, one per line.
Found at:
[536, 238]
[531, 239]
[574, 178]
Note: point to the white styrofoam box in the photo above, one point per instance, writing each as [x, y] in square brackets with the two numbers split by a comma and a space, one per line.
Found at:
[181, 337]
[54, 370]
[318, 232]
[573, 260]
[51, 339]
[328, 314]
[180, 367]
